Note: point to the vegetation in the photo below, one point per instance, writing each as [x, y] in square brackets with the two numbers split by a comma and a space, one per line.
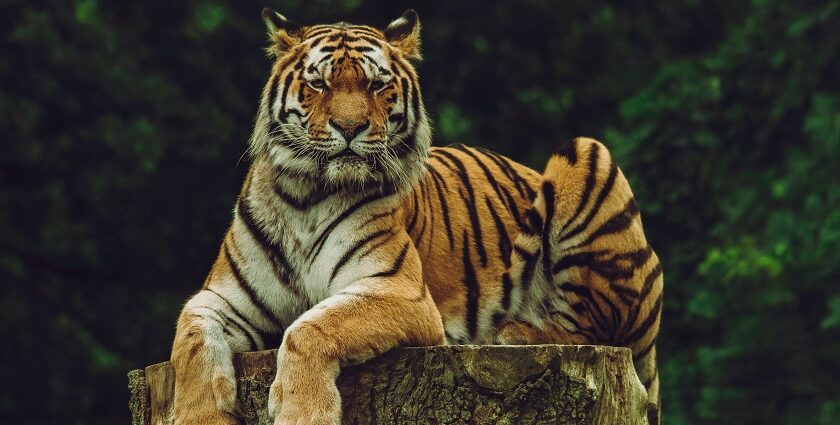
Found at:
[123, 125]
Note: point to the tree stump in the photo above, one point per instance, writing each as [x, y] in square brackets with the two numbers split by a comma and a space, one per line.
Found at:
[537, 384]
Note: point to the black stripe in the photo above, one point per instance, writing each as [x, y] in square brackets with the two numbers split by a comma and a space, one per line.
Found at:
[514, 209]
[252, 344]
[470, 204]
[255, 300]
[286, 84]
[548, 197]
[647, 286]
[644, 351]
[490, 178]
[596, 207]
[435, 154]
[568, 261]
[584, 294]
[361, 29]
[619, 222]
[609, 268]
[422, 229]
[398, 263]
[235, 312]
[626, 294]
[614, 312]
[587, 332]
[371, 40]
[497, 319]
[404, 82]
[504, 239]
[352, 251]
[568, 150]
[378, 216]
[651, 277]
[415, 104]
[282, 268]
[377, 245]
[527, 268]
[322, 238]
[297, 203]
[645, 326]
[507, 287]
[471, 284]
[222, 326]
[439, 181]
[415, 212]
[320, 31]
[534, 222]
[427, 196]
[529, 191]
[361, 48]
[589, 184]
[525, 190]
[301, 97]
[504, 168]
[272, 94]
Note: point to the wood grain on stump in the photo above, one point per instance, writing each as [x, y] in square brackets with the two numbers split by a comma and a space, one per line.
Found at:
[538, 384]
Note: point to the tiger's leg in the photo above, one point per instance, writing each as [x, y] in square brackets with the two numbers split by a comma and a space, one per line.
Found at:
[583, 269]
[365, 319]
[202, 360]
[209, 331]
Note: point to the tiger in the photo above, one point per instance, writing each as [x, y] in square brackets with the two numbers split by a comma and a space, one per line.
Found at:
[352, 235]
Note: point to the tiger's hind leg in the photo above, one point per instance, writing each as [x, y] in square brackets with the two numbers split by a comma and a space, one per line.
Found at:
[582, 269]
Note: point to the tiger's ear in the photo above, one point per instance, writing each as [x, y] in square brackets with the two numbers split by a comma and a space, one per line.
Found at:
[283, 33]
[404, 34]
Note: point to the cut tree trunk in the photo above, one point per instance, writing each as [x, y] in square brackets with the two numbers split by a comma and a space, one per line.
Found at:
[537, 384]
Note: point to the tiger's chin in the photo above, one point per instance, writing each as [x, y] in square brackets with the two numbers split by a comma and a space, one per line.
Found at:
[351, 172]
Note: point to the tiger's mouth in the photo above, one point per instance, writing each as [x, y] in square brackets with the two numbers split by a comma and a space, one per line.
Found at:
[346, 154]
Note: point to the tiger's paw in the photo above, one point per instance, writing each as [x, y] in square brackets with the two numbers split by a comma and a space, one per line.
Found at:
[302, 408]
[296, 414]
[304, 393]
[194, 406]
[220, 418]
[224, 392]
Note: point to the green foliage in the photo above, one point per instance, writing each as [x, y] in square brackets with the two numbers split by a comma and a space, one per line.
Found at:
[125, 123]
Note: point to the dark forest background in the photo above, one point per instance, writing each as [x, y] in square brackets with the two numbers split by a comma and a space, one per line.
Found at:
[122, 125]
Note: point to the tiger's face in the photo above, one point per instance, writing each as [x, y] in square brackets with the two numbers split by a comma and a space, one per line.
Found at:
[342, 106]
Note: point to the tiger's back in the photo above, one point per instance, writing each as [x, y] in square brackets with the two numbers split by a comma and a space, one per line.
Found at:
[463, 216]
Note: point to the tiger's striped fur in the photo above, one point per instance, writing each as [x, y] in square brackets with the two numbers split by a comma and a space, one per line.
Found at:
[352, 236]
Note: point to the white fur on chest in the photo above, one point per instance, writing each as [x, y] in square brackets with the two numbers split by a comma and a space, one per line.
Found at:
[313, 241]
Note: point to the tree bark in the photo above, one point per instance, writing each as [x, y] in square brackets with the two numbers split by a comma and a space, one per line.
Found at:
[538, 384]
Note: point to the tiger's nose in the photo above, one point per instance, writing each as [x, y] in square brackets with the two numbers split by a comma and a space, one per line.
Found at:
[349, 130]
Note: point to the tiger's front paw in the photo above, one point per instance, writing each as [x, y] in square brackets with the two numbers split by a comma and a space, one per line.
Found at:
[316, 406]
[208, 401]
[304, 392]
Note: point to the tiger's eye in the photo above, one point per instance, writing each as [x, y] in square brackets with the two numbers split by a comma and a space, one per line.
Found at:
[318, 84]
[377, 85]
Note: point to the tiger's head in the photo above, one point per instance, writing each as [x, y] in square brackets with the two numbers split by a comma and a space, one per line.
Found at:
[342, 107]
